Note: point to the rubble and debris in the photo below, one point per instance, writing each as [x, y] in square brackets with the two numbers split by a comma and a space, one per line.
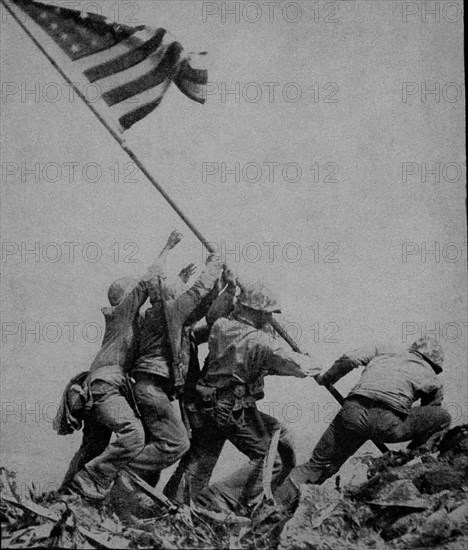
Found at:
[59, 521]
[410, 500]
[324, 520]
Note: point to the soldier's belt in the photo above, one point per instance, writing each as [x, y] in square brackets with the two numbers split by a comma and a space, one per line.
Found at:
[238, 395]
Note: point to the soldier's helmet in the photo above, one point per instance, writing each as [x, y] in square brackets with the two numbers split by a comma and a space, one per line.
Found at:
[119, 289]
[431, 349]
[256, 295]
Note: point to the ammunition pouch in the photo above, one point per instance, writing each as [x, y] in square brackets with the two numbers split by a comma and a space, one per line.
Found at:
[237, 395]
[195, 418]
[239, 391]
[77, 397]
[75, 403]
[206, 396]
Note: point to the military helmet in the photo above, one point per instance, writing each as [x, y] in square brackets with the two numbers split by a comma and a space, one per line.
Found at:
[120, 288]
[256, 295]
[431, 350]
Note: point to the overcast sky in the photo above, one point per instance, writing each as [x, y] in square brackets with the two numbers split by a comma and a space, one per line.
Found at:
[333, 131]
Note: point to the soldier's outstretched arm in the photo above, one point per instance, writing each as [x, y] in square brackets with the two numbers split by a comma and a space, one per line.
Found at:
[130, 305]
[285, 362]
[348, 362]
[186, 307]
[159, 266]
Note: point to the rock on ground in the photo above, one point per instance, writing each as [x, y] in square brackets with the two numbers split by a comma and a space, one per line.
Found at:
[411, 500]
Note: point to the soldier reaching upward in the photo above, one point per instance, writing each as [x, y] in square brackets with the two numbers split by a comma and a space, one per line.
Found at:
[162, 365]
[98, 461]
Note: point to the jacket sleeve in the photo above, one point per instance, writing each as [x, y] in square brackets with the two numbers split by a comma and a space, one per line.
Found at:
[348, 362]
[130, 305]
[283, 361]
[221, 307]
[186, 308]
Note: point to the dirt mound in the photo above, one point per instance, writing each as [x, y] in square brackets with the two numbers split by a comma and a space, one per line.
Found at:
[410, 500]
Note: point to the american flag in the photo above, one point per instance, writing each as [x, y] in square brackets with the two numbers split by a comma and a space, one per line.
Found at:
[130, 67]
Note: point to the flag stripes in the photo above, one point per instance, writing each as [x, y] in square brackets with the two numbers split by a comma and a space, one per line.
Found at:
[132, 67]
[166, 69]
[126, 60]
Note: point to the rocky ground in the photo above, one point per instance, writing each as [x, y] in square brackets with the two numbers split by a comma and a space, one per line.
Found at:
[406, 500]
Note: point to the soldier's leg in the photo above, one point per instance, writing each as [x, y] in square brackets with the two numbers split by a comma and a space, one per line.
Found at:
[426, 422]
[112, 410]
[348, 431]
[419, 425]
[250, 433]
[286, 456]
[175, 484]
[205, 448]
[129, 501]
[166, 437]
[96, 437]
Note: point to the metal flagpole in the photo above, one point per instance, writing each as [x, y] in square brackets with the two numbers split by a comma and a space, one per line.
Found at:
[276, 325]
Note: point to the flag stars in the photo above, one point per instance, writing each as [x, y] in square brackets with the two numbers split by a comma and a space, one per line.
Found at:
[43, 15]
[53, 26]
[75, 48]
[64, 36]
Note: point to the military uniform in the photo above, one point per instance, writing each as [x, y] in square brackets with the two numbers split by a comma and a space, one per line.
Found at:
[379, 407]
[99, 459]
[164, 341]
[240, 356]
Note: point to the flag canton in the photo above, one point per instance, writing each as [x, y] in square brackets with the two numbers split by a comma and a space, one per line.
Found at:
[78, 35]
[132, 67]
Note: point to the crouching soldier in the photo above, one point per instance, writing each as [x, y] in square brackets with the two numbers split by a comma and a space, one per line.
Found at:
[242, 350]
[379, 407]
[98, 461]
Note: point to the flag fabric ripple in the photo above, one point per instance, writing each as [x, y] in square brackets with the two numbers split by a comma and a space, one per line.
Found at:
[130, 67]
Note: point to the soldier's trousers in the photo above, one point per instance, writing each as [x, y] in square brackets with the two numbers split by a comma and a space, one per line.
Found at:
[359, 420]
[166, 437]
[103, 457]
[250, 431]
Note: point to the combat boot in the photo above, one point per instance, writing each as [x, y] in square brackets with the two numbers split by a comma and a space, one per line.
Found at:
[84, 484]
